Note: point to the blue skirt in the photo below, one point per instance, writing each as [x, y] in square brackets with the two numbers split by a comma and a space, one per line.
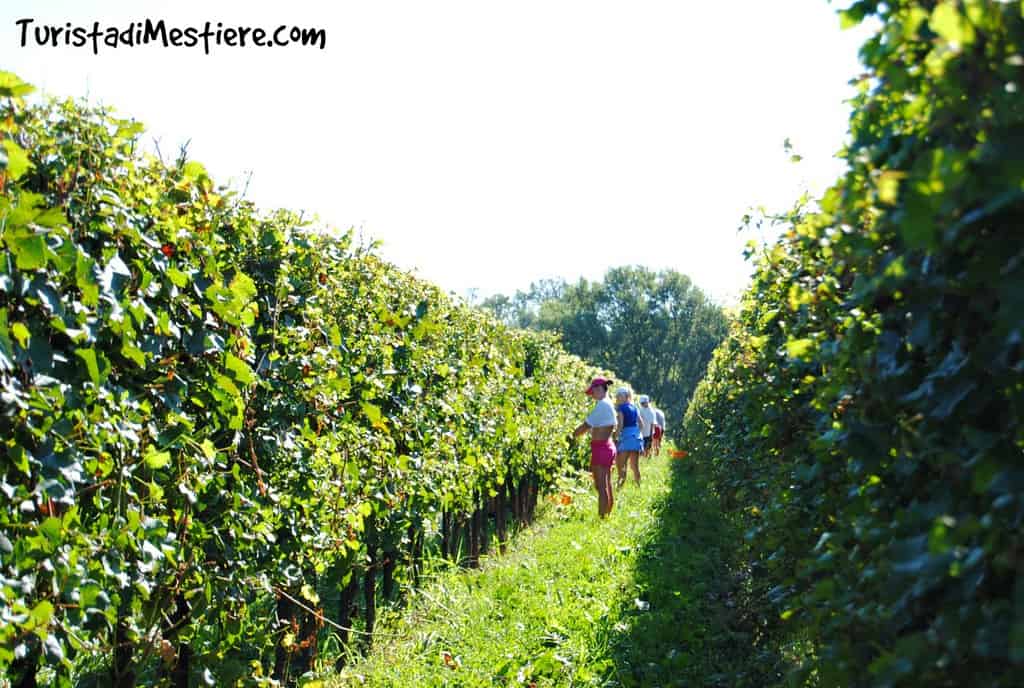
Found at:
[630, 440]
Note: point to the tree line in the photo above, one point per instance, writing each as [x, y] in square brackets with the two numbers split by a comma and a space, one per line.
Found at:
[655, 328]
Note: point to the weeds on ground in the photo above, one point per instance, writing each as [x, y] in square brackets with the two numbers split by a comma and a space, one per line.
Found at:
[650, 596]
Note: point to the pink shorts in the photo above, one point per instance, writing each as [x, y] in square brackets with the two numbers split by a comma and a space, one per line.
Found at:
[602, 453]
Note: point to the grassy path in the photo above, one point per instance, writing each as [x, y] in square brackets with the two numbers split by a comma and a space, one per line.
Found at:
[642, 599]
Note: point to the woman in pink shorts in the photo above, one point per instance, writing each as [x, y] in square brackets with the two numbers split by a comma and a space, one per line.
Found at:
[600, 423]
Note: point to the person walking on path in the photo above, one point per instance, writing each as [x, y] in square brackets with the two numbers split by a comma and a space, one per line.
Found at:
[600, 423]
[659, 429]
[647, 413]
[627, 428]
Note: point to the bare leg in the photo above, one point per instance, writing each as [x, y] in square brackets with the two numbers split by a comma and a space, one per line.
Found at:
[608, 490]
[624, 458]
[620, 465]
[634, 463]
[603, 484]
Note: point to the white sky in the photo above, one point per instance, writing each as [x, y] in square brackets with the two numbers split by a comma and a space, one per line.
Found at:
[490, 144]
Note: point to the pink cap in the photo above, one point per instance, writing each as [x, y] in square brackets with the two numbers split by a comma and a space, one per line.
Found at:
[596, 382]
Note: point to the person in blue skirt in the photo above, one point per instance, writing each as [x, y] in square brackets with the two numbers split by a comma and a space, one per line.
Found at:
[628, 428]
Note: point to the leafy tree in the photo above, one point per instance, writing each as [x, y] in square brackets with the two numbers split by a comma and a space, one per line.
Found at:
[521, 309]
[655, 328]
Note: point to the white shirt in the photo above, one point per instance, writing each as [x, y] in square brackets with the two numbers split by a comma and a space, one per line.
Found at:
[648, 415]
[659, 418]
[603, 414]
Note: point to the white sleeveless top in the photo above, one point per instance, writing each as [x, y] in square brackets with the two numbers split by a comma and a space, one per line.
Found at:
[603, 415]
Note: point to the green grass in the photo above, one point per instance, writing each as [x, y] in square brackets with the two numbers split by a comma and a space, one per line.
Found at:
[645, 598]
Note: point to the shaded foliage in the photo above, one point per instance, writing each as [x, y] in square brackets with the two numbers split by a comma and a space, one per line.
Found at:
[697, 626]
[864, 414]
